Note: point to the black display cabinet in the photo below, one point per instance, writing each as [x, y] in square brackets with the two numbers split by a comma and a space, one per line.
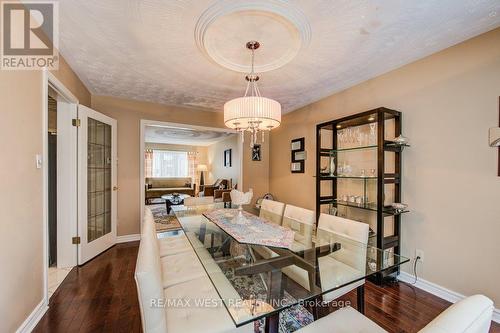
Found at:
[358, 174]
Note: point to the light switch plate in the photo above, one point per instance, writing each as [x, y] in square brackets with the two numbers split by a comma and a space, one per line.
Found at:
[39, 161]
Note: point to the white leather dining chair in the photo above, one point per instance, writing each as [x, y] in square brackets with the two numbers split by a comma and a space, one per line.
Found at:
[303, 222]
[198, 201]
[470, 315]
[349, 262]
[272, 211]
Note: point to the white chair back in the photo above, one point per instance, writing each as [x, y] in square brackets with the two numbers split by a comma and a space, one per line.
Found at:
[357, 231]
[346, 264]
[198, 201]
[470, 315]
[302, 221]
[272, 211]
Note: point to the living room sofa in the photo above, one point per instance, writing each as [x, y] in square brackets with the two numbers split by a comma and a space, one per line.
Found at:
[156, 187]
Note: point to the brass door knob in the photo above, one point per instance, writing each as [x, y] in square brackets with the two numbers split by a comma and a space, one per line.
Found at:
[115, 188]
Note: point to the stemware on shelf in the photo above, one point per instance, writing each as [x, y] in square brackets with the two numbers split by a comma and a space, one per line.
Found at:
[373, 134]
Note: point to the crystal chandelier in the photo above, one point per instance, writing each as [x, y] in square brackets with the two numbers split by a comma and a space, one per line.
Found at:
[252, 112]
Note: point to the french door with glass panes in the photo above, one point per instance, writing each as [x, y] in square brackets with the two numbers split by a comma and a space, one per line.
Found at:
[97, 163]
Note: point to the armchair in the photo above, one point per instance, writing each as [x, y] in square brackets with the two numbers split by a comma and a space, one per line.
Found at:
[224, 195]
[209, 190]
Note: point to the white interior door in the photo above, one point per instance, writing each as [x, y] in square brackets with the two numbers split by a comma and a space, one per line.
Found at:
[97, 161]
[67, 189]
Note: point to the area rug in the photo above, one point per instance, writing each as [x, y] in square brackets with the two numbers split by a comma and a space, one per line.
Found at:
[164, 221]
[291, 319]
[156, 201]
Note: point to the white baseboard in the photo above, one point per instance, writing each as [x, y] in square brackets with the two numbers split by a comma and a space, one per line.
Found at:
[442, 292]
[128, 238]
[29, 323]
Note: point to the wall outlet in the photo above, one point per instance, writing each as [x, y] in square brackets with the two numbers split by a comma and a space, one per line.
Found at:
[419, 253]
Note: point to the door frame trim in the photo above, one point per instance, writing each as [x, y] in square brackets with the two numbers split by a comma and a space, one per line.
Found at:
[146, 122]
[48, 79]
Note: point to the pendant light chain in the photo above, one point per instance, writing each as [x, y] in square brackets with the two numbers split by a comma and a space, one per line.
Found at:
[252, 112]
[253, 125]
[252, 79]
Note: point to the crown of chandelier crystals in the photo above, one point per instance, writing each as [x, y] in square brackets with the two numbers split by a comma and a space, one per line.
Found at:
[252, 112]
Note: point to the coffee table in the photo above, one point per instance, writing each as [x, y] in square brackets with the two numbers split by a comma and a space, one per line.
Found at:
[174, 200]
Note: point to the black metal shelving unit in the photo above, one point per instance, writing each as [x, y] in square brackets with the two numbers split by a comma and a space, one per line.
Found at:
[386, 120]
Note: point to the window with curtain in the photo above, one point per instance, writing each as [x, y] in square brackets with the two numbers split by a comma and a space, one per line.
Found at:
[148, 163]
[167, 163]
[193, 163]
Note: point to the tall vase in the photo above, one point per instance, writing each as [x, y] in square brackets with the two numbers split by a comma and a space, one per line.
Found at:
[332, 165]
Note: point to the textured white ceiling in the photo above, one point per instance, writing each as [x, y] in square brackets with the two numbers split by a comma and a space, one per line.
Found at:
[183, 136]
[148, 50]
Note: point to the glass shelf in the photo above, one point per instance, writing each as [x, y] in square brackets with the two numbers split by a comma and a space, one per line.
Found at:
[327, 176]
[395, 144]
[332, 151]
[367, 206]
[388, 210]
[388, 145]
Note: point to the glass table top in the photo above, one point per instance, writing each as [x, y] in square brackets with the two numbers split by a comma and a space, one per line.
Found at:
[255, 281]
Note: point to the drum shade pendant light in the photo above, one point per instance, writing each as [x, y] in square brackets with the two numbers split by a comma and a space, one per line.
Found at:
[252, 112]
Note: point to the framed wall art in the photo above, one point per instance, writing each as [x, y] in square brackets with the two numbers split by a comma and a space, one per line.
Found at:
[227, 158]
[298, 155]
[256, 153]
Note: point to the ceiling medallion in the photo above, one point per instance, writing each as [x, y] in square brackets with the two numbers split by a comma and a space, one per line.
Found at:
[252, 112]
[279, 25]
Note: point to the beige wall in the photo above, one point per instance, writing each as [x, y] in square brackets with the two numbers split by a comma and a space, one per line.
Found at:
[449, 100]
[216, 160]
[21, 227]
[128, 114]
[256, 173]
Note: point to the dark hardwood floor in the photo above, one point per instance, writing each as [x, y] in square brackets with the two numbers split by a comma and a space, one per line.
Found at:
[101, 297]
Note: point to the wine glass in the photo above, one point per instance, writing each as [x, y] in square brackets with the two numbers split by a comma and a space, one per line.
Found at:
[372, 133]
[341, 136]
[359, 136]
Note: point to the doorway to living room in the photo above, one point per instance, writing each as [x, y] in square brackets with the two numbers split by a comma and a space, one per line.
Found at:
[180, 161]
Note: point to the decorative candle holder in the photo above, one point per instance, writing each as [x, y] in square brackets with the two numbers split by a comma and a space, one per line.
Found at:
[239, 198]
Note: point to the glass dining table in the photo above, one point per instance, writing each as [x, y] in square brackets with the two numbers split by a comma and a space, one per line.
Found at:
[255, 281]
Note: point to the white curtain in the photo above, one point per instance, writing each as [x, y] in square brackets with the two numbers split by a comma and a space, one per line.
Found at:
[148, 163]
[168, 163]
[193, 164]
